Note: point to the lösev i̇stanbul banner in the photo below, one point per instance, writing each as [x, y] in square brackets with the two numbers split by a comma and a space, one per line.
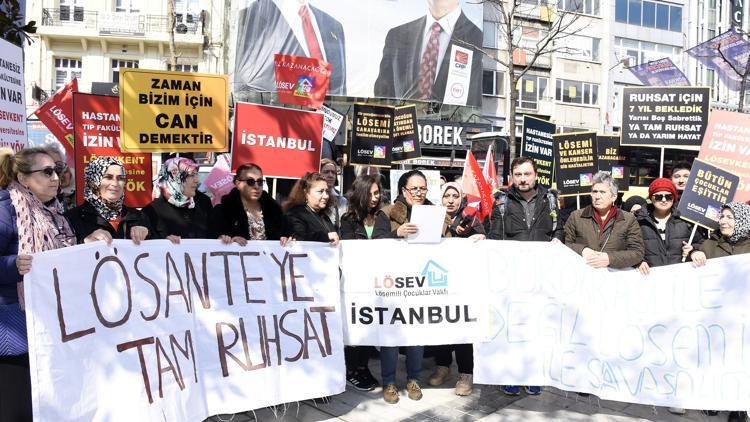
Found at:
[375, 48]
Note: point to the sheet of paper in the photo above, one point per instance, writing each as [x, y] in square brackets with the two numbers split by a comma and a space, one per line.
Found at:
[429, 220]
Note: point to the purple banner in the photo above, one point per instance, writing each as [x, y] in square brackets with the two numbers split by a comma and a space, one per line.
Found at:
[734, 47]
[662, 72]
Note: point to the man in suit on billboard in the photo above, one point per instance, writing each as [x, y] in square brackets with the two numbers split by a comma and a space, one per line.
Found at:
[290, 27]
[416, 55]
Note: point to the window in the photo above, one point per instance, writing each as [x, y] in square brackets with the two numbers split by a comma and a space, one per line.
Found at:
[589, 7]
[531, 89]
[641, 52]
[128, 6]
[119, 64]
[187, 11]
[491, 34]
[71, 10]
[493, 83]
[649, 14]
[183, 67]
[574, 92]
[65, 70]
[578, 47]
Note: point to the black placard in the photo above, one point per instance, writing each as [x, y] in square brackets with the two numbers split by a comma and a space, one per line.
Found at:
[664, 116]
[537, 143]
[611, 160]
[575, 162]
[372, 135]
[708, 189]
[405, 134]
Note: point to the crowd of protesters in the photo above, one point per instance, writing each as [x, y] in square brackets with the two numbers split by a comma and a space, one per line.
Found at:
[37, 214]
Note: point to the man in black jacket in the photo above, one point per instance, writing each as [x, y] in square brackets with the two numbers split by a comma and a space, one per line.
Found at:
[526, 212]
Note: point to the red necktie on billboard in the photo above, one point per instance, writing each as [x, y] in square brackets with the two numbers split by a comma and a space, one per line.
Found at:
[428, 65]
[310, 37]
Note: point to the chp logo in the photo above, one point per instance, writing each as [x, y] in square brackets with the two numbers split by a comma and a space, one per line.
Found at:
[462, 60]
[305, 86]
[432, 275]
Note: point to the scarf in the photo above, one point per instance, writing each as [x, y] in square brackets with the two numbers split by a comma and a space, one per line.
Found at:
[93, 175]
[741, 221]
[172, 176]
[40, 227]
[603, 222]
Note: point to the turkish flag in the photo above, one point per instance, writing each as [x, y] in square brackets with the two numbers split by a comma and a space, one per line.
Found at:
[478, 192]
[302, 80]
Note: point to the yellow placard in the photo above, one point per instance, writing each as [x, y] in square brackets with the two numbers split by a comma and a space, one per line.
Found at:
[173, 111]
[572, 91]
[529, 85]
[546, 13]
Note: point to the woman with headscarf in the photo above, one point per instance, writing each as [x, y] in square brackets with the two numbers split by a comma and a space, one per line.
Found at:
[180, 211]
[102, 216]
[733, 237]
[461, 226]
[31, 221]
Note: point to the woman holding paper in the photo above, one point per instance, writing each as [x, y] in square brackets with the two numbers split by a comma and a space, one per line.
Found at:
[180, 211]
[307, 210]
[102, 216]
[412, 187]
[31, 221]
[461, 226]
[360, 222]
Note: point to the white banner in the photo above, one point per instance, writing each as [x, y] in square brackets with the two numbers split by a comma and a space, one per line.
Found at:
[678, 337]
[162, 332]
[397, 294]
[459, 76]
[12, 100]
[331, 122]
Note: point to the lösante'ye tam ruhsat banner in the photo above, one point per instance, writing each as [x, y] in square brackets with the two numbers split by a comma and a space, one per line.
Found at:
[96, 121]
[181, 332]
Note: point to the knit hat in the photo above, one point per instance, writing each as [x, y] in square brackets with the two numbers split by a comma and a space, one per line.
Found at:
[453, 185]
[741, 220]
[662, 184]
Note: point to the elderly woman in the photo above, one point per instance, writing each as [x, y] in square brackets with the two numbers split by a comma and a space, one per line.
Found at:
[31, 221]
[102, 216]
[180, 211]
[307, 210]
[247, 211]
[412, 187]
[604, 235]
[733, 237]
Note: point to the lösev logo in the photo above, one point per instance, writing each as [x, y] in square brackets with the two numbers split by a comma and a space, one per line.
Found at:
[432, 280]
[305, 86]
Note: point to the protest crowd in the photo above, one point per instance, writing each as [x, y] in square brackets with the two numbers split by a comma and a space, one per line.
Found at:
[603, 233]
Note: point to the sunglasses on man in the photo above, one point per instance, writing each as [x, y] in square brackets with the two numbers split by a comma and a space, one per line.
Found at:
[252, 182]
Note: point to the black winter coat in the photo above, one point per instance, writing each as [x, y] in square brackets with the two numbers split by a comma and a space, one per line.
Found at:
[307, 225]
[353, 228]
[511, 224]
[84, 220]
[188, 223]
[664, 252]
[229, 217]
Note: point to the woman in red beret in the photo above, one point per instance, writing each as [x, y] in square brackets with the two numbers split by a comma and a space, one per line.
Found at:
[665, 234]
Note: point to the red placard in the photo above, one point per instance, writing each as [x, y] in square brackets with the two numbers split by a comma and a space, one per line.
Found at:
[302, 80]
[57, 115]
[96, 124]
[283, 142]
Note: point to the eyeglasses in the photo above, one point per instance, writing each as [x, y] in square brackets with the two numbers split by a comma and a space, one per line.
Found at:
[417, 190]
[252, 182]
[47, 171]
[668, 197]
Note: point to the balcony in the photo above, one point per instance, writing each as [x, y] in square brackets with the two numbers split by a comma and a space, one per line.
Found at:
[120, 23]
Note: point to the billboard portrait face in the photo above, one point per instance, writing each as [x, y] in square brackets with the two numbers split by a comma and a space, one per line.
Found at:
[391, 40]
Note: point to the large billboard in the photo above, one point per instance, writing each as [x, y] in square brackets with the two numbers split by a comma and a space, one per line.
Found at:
[404, 49]
[724, 53]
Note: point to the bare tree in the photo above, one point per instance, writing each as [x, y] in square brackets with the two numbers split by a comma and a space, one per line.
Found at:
[170, 27]
[12, 26]
[517, 16]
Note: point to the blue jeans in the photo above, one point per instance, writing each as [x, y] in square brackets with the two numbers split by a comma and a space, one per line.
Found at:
[389, 359]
